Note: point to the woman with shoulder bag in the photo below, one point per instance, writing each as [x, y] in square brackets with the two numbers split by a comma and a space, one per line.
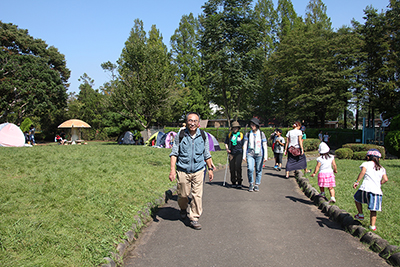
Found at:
[294, 149]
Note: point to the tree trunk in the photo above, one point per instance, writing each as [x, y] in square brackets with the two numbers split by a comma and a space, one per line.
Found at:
[369, 117]
[345, 119]
[357, 115]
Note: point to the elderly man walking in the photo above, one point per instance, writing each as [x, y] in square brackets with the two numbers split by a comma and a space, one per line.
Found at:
[190, 153]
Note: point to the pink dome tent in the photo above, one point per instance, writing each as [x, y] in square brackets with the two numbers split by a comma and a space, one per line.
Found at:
[11, 135]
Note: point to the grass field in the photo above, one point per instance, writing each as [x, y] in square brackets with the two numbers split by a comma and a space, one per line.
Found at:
[388, 219]
[70, 205]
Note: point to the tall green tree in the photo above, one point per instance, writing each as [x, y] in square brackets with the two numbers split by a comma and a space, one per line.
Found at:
[287, 21]
[313, 65]
[393, 26]
[232, 55]
[187, 58]
[33, 76]
[93, 105]
[265, 97]
[147, 83]
[349, 59]
[267, 17]
[287, 18]
[377, 76]
[316, 15]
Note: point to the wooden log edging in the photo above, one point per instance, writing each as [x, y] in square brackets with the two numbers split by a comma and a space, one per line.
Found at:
[376, 243]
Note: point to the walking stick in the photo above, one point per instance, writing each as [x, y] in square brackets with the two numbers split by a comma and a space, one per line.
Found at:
[226, 168]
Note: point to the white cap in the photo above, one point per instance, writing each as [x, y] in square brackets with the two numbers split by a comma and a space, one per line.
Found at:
[323, 148]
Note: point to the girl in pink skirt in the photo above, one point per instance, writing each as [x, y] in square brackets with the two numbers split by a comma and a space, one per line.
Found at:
[326, 166]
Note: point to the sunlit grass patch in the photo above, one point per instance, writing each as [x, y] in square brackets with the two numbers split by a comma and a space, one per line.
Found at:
[388, 219]
[70, 205]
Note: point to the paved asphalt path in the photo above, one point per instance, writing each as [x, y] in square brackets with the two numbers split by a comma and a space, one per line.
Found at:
[278, 226]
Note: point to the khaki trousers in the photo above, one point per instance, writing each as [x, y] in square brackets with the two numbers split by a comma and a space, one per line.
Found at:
[191, 183]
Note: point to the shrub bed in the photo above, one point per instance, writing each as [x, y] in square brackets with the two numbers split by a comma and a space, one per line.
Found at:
[392, 141]
[360, 155]
[344, 153]
[365, 147]
[311, 144]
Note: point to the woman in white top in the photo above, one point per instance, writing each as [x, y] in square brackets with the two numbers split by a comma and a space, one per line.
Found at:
[294, 139]
[255, 152]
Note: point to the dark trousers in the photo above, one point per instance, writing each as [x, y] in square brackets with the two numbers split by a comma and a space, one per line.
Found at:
[235, 167]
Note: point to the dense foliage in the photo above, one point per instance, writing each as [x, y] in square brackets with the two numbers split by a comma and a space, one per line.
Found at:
[248, 58]
[33, 76]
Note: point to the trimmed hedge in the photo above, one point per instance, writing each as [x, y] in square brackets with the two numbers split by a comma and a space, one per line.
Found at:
[344, 153]
[395, 123]
[392, 142]
[360, 155]
[311, 144]
[338, 136]
[363, 148]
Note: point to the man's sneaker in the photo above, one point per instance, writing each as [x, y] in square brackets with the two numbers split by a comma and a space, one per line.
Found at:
[359, 217]
[279, 169]
[195, 225]
[333, 200]
[276, 167]
[183, 214]
[233, 185]
[256, 189]
[373, 228]
[239, 186]
[251, 188]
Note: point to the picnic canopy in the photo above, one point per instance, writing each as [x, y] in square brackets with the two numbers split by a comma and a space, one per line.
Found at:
[74, 125]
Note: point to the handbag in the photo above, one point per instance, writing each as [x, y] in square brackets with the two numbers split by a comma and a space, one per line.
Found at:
[294, 151]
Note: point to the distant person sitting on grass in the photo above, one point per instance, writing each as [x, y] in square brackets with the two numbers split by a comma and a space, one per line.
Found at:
[370, 191]
[326, 178]
[32, 135]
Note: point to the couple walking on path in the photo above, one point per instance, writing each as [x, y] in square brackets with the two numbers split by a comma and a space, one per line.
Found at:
[251, 148]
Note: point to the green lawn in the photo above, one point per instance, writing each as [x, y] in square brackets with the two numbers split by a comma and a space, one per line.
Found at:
[388, 219]
[70, 205]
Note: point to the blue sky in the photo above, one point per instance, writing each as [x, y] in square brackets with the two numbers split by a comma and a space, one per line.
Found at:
[91, 32]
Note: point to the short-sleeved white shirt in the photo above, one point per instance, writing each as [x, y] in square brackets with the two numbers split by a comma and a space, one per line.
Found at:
[372, 178]
[293, 136]
[279, 148]
[326, 164]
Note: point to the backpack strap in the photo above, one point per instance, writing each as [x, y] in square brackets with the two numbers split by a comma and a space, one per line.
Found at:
[182, 134]
[203, 134]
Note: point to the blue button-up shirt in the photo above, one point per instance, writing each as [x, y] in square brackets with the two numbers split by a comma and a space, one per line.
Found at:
[191, 152]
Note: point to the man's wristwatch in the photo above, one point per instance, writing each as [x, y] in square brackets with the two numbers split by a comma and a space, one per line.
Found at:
[211, 169]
